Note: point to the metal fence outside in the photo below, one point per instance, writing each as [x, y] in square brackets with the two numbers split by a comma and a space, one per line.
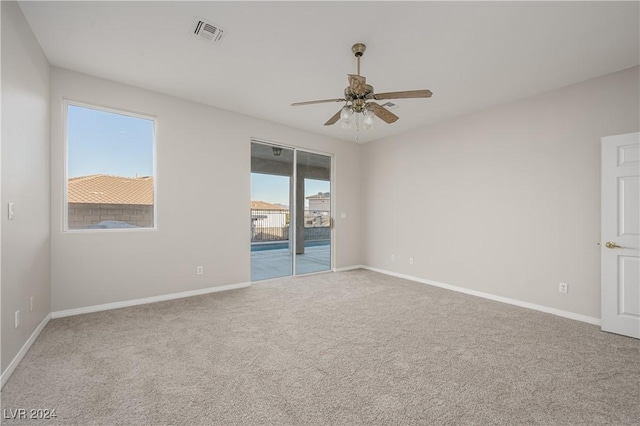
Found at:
[269, 225]
[273, 225]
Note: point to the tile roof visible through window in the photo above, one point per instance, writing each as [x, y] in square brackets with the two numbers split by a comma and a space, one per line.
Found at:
[262, 205]
[106, 189]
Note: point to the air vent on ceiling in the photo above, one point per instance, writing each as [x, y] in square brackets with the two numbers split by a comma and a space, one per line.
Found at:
[389, 105]
[207, 30]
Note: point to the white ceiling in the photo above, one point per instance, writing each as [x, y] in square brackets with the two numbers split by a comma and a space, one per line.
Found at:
[472, 55]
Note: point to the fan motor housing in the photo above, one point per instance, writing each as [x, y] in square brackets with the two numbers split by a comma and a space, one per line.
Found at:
[350, 96]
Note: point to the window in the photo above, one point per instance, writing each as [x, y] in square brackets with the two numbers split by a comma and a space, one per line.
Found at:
[110, 180]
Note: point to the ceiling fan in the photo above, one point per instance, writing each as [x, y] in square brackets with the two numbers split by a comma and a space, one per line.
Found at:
[359, 97]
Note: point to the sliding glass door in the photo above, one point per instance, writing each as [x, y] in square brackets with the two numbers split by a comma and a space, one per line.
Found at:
[290, 211]
[271, 229]
[313, 213]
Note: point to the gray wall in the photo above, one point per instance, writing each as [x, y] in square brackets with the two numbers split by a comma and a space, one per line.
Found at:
[203, 163]
[25, 181]
[504, 201]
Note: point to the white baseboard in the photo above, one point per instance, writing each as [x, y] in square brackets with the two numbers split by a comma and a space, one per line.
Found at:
[23, 351]
[541, 308]
[144, 301]
[348, 268]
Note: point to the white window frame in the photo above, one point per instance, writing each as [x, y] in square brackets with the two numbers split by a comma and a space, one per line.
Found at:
[65, 192]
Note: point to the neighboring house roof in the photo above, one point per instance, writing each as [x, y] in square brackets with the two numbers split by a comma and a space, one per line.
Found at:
[262, 205]
[106, 189]
[323, 195]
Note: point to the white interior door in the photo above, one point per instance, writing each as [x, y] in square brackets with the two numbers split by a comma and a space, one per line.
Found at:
[620, 241]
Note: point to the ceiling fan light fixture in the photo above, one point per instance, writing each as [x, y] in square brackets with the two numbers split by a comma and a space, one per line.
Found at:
[368, 120]
[346, 114]
[359, 98]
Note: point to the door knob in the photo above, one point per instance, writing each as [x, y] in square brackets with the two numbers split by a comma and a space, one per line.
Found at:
[612, 245]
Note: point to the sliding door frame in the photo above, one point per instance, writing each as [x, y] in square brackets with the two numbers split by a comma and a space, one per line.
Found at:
[293, 206]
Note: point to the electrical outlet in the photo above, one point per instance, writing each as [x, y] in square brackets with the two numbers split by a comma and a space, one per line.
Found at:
[31, 304]
[411, 261]
[17, 319]
[10, 211]
[200, 270]
[563, 288]
[393, 257]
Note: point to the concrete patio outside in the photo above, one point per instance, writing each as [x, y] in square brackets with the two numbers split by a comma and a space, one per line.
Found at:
[274, 263]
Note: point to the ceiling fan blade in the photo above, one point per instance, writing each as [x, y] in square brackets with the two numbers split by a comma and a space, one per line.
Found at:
[357, 84]
[318, 102]
[382, 113]
[333, 119]
[404, 95]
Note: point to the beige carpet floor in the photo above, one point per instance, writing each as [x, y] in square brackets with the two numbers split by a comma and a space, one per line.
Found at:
[355, 348]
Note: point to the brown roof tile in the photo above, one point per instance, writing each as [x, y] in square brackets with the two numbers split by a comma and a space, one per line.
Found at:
[262, 205]
[106, 189]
